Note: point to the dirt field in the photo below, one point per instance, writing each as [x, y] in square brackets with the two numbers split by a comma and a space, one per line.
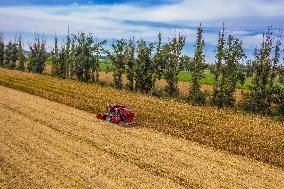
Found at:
[49, 145]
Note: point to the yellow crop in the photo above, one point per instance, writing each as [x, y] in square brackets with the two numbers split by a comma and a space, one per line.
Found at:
[240, 133]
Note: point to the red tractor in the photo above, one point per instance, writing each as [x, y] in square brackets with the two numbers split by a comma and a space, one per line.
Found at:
[119, 114]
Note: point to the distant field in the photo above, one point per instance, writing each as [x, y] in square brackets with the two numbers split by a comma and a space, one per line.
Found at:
[236, 132]
[161, 84]
[184, 76]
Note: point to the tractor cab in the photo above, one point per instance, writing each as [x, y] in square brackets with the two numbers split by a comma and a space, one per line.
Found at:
[119, 114]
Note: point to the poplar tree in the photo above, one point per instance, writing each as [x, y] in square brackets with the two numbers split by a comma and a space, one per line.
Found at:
[10, 57]
[2, 50]
[63, 62]
[217, 67]
[64, 59]
[68, 55]
[198, 66]
[21, 56]
[275, 61]
[281, 74]
[97, 54]
[130, 63]
[186, 63]
[277, 91]
[229, 73]
[158, 61]
[260, 96]
[37, 56]
[144, 68]
[171, 54]
[83, 59]
[117, 58]
[55, 57]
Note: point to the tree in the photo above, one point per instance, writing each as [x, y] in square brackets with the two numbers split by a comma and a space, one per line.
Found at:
[55, 57]
[186, 63]
[144, 68]
[62, 59]
[275, 61]
[229, 73]
[10, 55]
[130, 63]
[68, 56]
[217, 67]
[2, 50]
[158, 61]
[117, 57]
[198, 66]
[97, 53]
[21, 56]
[260, 95]
[171, 56]
[83, 56]
[63, 62]
[281, 74]
[277, 98]
[37, 55]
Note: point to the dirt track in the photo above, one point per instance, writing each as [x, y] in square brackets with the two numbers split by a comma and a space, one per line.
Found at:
[48, 145]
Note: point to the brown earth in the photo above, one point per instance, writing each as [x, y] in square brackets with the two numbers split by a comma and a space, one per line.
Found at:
[49, 145]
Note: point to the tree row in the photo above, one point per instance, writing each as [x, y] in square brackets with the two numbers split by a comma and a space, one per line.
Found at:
[144, 63]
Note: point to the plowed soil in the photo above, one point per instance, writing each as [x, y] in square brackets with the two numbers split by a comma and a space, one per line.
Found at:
[49, 145]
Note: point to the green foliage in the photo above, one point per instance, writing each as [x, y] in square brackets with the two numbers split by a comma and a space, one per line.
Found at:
[198, 66]
[130, 63]
[97, 53]
[259, 98]
[186, 63]
[117, 57]
[219, 55]
[55, 58]
[228, 70]
[37, 56]
[62, 58]
[69, 58]
[62, 67]
[144, 69]
[2, 50]
[83, 56]
[171, 56]
[277, 97]
[158, 62]
[79, 56]
[21, 56]
[10, 56]
[281, 74]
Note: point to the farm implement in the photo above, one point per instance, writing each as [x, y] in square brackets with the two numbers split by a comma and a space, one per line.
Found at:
[118, 114]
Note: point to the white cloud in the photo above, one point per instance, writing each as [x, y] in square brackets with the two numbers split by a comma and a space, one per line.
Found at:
[107, 21]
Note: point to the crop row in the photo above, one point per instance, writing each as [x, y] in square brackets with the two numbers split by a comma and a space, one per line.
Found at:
[239, 133]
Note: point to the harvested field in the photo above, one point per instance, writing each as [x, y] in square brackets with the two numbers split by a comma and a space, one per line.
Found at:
[239, 133]
[49, 145]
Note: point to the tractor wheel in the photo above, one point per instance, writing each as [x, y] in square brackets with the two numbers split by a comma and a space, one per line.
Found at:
[108, 118]
[121, 123]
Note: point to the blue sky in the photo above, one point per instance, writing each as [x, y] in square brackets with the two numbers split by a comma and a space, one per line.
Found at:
[86, 2]
[246, 19]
